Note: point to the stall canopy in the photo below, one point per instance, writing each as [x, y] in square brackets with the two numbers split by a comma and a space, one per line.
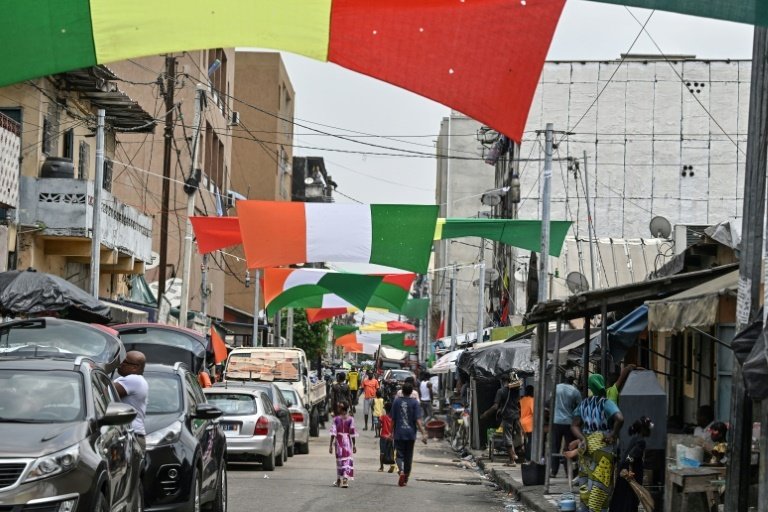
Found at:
[487, 364]
[623, 334]
[446, 363]
[696, 307]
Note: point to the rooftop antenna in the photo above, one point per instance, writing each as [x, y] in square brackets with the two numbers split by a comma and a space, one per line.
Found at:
[660, 227]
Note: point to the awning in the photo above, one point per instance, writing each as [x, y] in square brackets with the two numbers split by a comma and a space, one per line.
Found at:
[122, 314]
[446, 363]
[623, 334]
[696, 307]
[489, 363]
[750, 347]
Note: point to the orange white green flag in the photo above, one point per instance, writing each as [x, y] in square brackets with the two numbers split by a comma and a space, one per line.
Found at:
[277, 233]
[316, 288]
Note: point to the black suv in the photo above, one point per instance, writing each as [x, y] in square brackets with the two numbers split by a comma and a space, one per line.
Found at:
[186, 465]
[66, 442]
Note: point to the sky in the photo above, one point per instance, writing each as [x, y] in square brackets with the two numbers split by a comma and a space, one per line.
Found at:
[348, 103]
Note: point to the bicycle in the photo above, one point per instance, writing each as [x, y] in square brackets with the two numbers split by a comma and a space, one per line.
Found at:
[460, 429]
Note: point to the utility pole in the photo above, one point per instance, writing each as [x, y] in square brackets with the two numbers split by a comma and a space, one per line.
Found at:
[481, 294]
[204, 286]
[289, 327]
[542, 329]
[190, 187]
[454, 325]
[748, 300]
[98, 182]
[256, 307]
[170, 83]
[590, 227]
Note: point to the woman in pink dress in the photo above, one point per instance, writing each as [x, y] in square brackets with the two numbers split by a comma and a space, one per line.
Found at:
[343, 439]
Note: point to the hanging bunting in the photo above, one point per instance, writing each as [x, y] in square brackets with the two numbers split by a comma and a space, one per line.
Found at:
[391, 326]
[524, 234]
[342, 330]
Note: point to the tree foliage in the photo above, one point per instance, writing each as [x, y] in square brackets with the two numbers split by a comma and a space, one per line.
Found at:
[312, 338]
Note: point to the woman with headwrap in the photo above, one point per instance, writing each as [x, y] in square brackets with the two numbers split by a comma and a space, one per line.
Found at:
[631, 467]
[596, 424]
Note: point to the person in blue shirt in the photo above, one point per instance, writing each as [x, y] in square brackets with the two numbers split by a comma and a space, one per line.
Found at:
[567, 398]
[406, 419]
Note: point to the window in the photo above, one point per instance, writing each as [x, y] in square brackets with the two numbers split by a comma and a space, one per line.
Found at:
[266, 403]
[106, 179]
[13, 113]
[83, 158]
[47, 129]
[218, 78]
[101, 395]
[68, 144]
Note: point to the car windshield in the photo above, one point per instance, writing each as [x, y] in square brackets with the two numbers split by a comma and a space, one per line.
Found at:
[291, 396]
[164, 393]
[41, 396]
[58, 339]
[162, 337]
[233, 404]
[400, 375]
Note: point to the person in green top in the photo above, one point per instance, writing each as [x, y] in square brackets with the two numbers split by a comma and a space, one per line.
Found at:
[619, 379]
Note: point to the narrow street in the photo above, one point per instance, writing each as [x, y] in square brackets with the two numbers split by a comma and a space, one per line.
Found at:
[304, 483]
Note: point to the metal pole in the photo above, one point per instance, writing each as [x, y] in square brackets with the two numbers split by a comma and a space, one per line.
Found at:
[279, 328]
[98, 182]
[590, 233]
[542, 330]
[204, 287]
[170, 82]
[256, 342]
[289, 327]
[475, 415]
[481, 294]
[187, 261]
[555, 365]
[585, 355]
[604, 339]
[454, 324]
[748, 300]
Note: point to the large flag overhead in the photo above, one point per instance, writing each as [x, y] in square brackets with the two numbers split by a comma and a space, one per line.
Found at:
[525, 234]
[213, 233]
[396, 340]
[319, 314]
[391, 326]
[753, 12]
[282, 233]
[309, 287]
[416, 308]
[440, 49]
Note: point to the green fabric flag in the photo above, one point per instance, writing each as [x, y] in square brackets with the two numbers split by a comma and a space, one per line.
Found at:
[398, 340]
[525, 234]
[754, 12]
[343, 330]
[416, 308]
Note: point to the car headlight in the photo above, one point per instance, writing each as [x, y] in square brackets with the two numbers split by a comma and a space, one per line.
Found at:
[167, 435]
[54, 464]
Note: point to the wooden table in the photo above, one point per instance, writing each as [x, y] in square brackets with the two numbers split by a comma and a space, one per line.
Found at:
[689, 481]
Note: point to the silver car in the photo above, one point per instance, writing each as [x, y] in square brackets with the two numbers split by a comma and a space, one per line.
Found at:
[299, 415]
[251, 426]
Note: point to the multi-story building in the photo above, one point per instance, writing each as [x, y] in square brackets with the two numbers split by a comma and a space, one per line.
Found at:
[10, 157]
[52, 228]
[662, 137]
[262, 152]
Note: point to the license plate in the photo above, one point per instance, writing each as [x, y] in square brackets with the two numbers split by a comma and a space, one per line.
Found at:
[230, 427]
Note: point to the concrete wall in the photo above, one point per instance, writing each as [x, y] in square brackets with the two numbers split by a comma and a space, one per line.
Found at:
[460, 183]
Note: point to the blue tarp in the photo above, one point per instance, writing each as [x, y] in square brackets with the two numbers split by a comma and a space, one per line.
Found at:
[623, 334]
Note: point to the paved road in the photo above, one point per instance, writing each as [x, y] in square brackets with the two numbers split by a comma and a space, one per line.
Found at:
[304, 483]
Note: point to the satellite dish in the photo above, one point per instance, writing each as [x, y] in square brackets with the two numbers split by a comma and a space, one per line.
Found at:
[660, 227]
[154, 261]
[576, 282]
[491, 274]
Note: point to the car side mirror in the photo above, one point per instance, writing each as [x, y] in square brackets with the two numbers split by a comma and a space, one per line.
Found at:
[290, 404]
[282, 413]
[118, 413]
[207, 412]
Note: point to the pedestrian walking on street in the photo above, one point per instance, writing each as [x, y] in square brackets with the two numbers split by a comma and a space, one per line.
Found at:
[567, 399]
[597, 422]
[343, 445]
[370, 388]
[378, 412]
[506, 407]
[132, 388]
[526, 419]
[353, 381]
[425, 394]
[339, 393]
[386, 441]
[406, 418]
[630, 468]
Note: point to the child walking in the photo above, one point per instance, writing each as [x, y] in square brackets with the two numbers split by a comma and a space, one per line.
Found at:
[386, 440]
[343, 440]
[378, 411]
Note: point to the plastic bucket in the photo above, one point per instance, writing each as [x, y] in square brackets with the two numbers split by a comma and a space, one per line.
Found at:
[533, 473]
[436, 429]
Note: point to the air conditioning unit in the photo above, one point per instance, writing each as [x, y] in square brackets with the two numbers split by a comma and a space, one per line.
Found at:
[687, 235]
[235, 120]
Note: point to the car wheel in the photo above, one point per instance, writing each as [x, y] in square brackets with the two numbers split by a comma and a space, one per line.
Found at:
[281, 458]
[268, 461]
[303, 448]
[220, 502]
[291, 449]
[314, 423]
[101, 505]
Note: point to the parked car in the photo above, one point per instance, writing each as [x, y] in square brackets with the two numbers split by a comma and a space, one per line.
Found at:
[250, 423]
[399, 375]
[299, 415]
[66, 442]
[166, 344]
[59, 338]
[186, 459]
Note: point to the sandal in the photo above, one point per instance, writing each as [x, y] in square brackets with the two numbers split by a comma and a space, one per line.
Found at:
[337, 483]
[344, 484]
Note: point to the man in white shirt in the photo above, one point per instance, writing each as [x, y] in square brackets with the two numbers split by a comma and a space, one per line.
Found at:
[133, 389]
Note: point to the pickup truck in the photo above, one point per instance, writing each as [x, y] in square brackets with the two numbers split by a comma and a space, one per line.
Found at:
[269, 364]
